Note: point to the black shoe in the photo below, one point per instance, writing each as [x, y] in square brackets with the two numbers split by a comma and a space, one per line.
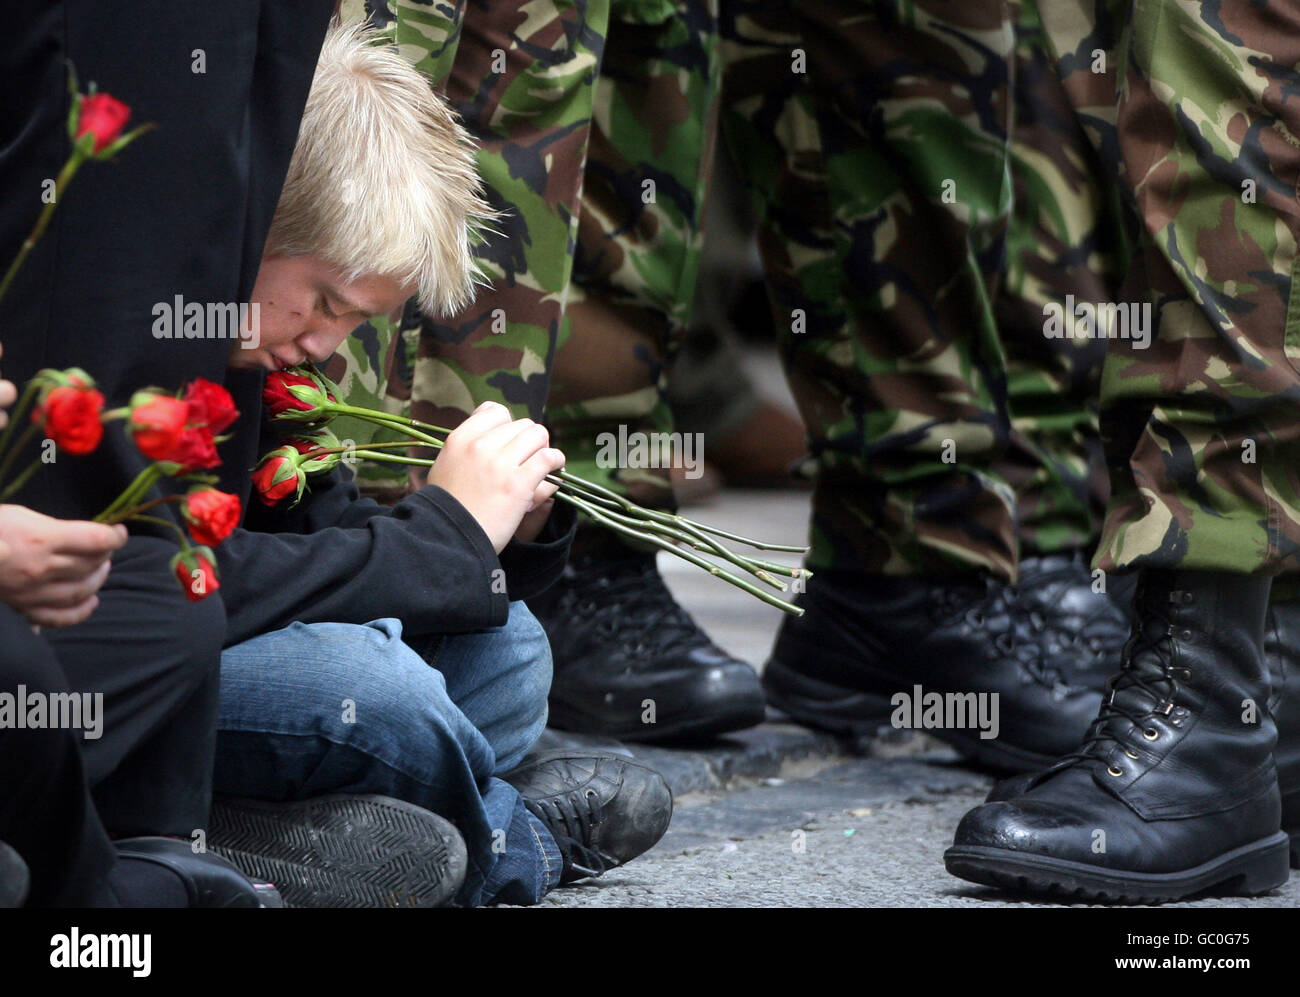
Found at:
[1282, 652]
[1174, 790]
[1081, 631]
[602, 810]
[209, 880]
[343, 851]
[14, 878]
[865, 639]
[619, 639]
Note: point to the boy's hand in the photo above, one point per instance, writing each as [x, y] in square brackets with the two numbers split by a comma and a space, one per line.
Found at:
[495, 468]
[50, 569]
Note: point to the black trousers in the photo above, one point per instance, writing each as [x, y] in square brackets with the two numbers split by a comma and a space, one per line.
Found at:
[184, 211]
[155, 658]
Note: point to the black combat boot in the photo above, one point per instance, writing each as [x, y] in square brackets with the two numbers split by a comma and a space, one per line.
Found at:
[1282, 649]
[1081, 630]
[866, 640]
[1282, 653]
[1174, 789]
[629, 662]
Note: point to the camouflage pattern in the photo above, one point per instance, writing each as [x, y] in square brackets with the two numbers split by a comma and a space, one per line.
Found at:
[1066, 237]
[1200, 429]
[602, 161]
[876, 139]
[521, 75]
[640, 240]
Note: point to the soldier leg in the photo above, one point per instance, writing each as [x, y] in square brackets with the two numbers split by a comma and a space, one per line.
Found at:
[1065, 244]
[876, 140]
[620, 639]
[1175, 790]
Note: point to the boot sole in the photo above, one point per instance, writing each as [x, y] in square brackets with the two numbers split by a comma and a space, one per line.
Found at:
[833, 708]
[717, 711]
[1246, 871]
[342, 851]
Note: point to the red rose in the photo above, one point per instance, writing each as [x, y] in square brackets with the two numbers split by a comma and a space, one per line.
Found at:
[158, 426]
[212, 515]
[276, 477]
[210, 405]
[277, 397]
[197, 575]
[104, 117]
[70, 417]
[196, 451]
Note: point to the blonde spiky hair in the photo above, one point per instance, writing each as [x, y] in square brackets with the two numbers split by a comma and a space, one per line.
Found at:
[382, 179]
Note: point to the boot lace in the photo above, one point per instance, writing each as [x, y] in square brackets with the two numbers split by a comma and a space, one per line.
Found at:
[572, 819]
[631, 603]
[1136, 694]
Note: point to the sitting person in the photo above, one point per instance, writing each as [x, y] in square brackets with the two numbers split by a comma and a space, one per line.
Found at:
[55, 791]
[381, 665]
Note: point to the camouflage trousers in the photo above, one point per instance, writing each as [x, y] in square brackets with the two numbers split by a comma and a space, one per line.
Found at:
[1199, 115]
[923, 193]
[596, 125]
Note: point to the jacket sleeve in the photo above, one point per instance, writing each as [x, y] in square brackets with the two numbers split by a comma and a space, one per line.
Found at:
[426, 561]
[337, 557]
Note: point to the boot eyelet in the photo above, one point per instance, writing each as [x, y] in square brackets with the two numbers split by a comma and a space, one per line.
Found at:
[1150, 734]
[1130, 754]
[1114, 771]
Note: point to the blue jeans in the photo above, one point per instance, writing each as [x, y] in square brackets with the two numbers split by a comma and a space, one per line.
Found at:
[341, 708]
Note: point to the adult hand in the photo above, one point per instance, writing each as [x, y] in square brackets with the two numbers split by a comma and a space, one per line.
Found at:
[50, 569]
[8, 395]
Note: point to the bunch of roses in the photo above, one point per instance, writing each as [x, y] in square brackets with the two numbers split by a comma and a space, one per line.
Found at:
[179, 434]
[303, 398]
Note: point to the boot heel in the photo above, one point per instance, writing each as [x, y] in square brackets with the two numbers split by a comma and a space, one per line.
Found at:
[1268, 869]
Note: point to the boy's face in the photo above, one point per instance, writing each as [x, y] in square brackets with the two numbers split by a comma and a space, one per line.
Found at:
[306, 310]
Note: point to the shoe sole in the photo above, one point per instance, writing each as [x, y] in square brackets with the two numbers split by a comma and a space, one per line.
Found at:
[1246, 871]
[342, 851]
[861, 714]
[721, 710]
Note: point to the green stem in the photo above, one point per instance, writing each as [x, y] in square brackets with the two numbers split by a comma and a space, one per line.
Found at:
[180, 534]
[136, 490]
[126, 514]
[699, 562]
[21, 480]
[18, 412]
[26, 437]
[637, 520]
[47, 212]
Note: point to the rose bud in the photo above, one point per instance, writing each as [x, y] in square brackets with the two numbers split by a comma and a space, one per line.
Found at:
[210, 405]
[286, 392]
[278, 475]
[316, 462]
[157, 425]
[196, 451]
[70, 416]
[211, 515]
[195, 568]
[104, 117]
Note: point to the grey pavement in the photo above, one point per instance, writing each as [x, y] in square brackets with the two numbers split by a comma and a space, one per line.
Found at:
[781, 817]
